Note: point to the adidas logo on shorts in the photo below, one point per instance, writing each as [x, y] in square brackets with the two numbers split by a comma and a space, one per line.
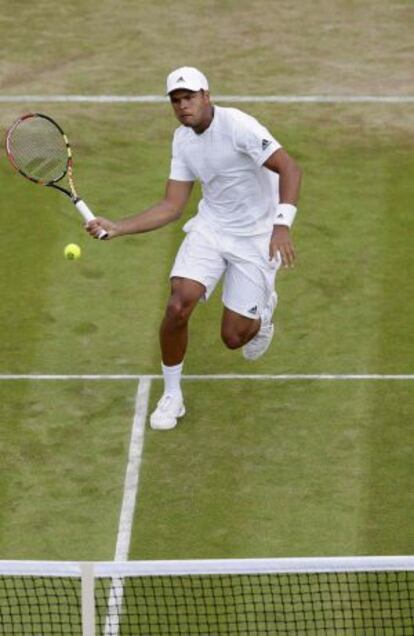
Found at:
[253, 310]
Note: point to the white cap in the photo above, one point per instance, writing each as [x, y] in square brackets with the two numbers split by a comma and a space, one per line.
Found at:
[186, 77]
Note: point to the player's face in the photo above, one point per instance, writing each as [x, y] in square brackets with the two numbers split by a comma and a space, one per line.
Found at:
[192, 109]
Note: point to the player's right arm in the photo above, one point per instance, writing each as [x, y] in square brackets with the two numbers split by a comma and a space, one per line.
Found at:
[170, 208]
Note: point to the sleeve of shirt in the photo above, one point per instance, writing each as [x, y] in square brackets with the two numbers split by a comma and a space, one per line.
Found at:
[179, 170]
[254, 140]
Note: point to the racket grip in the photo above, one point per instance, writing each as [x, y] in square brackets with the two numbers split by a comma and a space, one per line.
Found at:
[89, 216]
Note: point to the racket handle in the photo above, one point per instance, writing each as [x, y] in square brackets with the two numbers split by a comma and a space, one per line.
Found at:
[89, 216]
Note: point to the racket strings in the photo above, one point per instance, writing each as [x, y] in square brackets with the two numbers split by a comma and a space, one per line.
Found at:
[39, 149]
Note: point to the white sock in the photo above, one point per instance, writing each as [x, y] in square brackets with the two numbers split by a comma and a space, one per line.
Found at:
[172, 378]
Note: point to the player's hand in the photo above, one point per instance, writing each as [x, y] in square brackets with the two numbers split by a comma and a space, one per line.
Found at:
[97, 225]
[281, 242]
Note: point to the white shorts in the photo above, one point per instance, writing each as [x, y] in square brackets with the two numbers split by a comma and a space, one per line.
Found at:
[205, 256]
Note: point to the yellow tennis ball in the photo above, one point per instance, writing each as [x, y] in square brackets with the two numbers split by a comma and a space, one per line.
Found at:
[72, 252]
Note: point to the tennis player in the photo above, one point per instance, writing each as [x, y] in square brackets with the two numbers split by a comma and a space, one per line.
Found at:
[250, 186]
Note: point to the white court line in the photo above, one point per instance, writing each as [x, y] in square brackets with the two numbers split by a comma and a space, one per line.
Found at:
[261, 99]
[126, 519]
[214, 376]
[132, 472]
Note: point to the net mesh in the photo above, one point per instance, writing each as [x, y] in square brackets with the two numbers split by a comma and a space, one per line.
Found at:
[38, 605]
[38, 149]
[209, 598]
[354, 603]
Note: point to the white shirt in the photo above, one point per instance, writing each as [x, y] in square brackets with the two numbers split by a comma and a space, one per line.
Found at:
[239, 194]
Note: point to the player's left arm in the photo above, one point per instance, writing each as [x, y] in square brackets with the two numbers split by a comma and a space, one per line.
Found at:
[289, 186]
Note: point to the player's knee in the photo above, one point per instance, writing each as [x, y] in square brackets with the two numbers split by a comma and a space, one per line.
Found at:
[178, 311]
[232, 339]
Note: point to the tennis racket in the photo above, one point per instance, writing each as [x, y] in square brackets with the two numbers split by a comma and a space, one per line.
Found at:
[39, 150]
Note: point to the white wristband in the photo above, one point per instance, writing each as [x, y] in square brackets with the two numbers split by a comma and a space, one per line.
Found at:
[285, 214]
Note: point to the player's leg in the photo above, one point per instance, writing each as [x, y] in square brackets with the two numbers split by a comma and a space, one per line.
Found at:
[249, 297]
[185, 294]
[254, 335]
[237, 330]
[197, 268]
[260, 342]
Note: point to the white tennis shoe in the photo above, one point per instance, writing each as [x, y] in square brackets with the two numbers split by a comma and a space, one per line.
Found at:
[258, 345]
[169, 409]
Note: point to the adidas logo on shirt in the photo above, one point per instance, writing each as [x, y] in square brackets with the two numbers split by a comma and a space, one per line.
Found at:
[253, 310]
[265, 143]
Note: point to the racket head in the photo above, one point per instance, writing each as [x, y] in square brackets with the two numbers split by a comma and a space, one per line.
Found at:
[38, 148]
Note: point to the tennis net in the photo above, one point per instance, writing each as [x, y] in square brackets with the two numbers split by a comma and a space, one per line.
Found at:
[349, 596]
